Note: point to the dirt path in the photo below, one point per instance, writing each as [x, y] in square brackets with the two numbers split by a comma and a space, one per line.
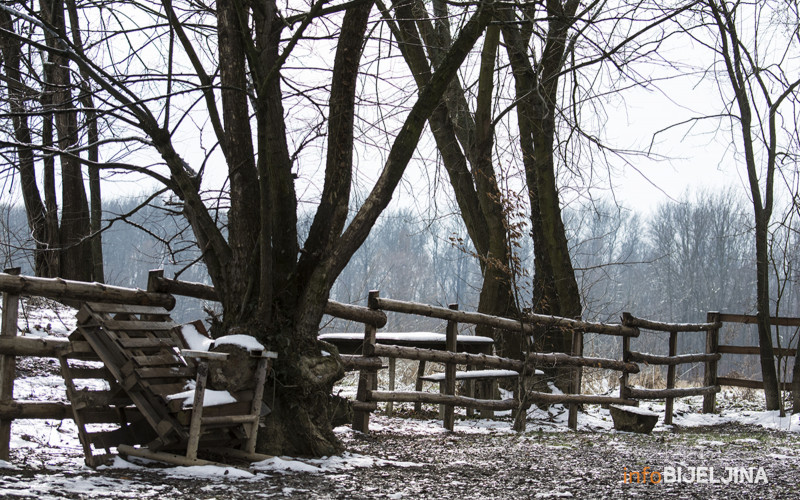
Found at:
[424, 462]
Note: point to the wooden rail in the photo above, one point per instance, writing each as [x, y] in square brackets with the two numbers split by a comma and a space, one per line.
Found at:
[60, 289]
[161, 290]
[528, 325]
[157, 282]
[751, 319]
[709, 358]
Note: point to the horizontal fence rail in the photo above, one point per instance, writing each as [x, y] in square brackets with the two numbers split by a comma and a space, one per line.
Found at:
[161, 291]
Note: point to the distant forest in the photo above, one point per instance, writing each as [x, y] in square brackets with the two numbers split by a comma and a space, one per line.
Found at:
[687, 258]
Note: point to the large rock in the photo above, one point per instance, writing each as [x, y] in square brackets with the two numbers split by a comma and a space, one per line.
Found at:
[632, 419]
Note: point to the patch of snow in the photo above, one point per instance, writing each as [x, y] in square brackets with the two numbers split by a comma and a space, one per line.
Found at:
[208, 471]
[635, 410]
[243, 341]
[195, 340]
[210, 397]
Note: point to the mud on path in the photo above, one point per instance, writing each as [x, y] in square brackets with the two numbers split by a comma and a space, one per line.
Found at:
[421, 461]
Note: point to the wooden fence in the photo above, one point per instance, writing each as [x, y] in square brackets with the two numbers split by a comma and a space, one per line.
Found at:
[161, 291]
[373, 317]
[748, 319]
[672, 360]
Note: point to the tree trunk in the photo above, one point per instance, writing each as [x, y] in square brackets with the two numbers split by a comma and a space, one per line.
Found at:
[769, 373]
[76, 262]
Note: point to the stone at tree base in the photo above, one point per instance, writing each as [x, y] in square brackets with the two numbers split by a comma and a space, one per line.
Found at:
[237, 373]
[632, 419]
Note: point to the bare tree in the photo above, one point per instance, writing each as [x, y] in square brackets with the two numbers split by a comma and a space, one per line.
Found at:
[752, 54]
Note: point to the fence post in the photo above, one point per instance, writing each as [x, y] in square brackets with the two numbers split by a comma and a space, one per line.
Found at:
[577, 372]
[673, 351]
[392, 368]
[367, 378]
[448, 419]
[8, 363]
[710, 378]
[626, 356]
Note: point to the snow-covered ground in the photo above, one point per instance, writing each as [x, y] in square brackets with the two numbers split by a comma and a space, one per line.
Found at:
[47, 460]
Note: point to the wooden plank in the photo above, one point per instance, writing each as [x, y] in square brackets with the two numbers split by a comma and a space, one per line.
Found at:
[147, 343]
[169, 458]
[367, 380]
[264, 365]
[749, 384]
[660, 326]
[101, 307]
[83, 372]
[8, 363]
[436, 398]
[751, 319]
[167, 389]
[230, 420]
[529, 326]
[575, 378]
[449, 384]
[165, 372]
[57, 288]
[653, 359]
[138, 325]
[461, 358]
[546, 397]
[155, 360]
[673, 351]
[472, 375]
[197, 410]
[673, 393]
[418, 383]
[747, 349]
[710, 367]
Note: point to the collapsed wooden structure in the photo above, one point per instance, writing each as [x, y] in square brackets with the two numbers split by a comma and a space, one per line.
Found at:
[145, 361]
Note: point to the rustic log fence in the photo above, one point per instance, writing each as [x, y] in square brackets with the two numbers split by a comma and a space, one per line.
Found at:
[672, 360]
[748, 319]
[161, 291]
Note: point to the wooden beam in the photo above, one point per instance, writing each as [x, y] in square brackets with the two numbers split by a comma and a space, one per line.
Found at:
[748, 349]
[652, 359]
[749, 384]
[751, 319]
[45, 347]
[669, 327]
[557, 358]
[545, 397]
[527, 326]
[434, 398]
[58, 289]
[8, 363]
[201, 291]
[671, 393]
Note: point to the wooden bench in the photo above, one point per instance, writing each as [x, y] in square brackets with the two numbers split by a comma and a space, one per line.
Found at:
[148, 366]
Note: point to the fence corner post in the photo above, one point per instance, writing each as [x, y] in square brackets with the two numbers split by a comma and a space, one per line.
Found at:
[712, 347]
[8, 363]
[367, 378]
[626, 356]
[577, 375]
[451, 345]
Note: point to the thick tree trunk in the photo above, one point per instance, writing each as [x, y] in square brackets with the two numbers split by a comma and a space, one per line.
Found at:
[76, 262]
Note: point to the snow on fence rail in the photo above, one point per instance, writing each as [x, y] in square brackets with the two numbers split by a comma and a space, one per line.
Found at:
[709, 358]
